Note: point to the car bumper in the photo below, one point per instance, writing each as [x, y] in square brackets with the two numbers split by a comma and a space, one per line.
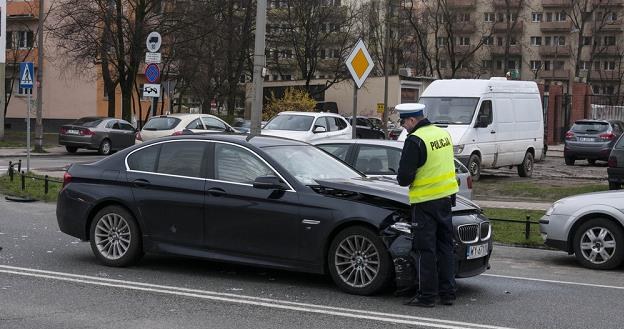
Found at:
[71, 214]
[599, 152]
[553, 232]
[78, 141]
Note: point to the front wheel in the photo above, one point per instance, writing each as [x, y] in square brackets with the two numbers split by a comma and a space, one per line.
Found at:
[359, 262]
[599, 244]
[474, 167]
[525, 169]
[115, 237]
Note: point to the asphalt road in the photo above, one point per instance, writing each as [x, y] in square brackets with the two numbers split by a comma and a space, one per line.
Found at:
[51, 280]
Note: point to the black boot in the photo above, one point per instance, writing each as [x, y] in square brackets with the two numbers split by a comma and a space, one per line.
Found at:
[419, 302]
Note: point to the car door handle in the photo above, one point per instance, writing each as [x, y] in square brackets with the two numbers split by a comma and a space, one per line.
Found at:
[215, 191]
[492, 132]
[141, 182]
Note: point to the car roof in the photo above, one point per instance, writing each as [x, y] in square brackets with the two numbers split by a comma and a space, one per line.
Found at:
[257, 141]
[311, 114]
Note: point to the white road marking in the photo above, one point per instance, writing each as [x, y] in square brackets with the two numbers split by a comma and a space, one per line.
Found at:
[249, 300]
[554, 281]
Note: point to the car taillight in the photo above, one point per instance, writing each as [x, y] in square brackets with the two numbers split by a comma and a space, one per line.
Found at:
[63, 131]
[612, 162]
[66, 179]
[469, 182]
[177, 133]
[86, 132]
[569, 135]
[138, 136]
[607, 136]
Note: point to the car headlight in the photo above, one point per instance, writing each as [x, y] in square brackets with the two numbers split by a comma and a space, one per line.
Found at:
[402, 227]
[552, 208]
[458, 149]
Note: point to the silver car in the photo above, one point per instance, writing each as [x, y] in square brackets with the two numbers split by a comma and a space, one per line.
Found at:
[97, 133]
[590, 226]
[381, 158]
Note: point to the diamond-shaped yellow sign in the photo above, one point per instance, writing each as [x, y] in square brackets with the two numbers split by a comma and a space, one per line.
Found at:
[359, 63]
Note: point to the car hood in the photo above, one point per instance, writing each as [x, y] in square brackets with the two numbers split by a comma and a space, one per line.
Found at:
[292, 134]
[607, 198]
[456, 132]
[381, 187]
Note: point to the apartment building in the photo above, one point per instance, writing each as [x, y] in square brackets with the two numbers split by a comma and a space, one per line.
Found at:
[68, 92]
[551, 40]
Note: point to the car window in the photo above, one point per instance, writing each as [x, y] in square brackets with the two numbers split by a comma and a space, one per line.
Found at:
[238, 165]
[87, 122]
[321, 122]
[338, 150]
[485, 112]
[620, 142]
[181, 158]
[616, 127]
[362, 122]
[290, 122]
[125, 126]
[195, 124]
[589, 127]
[341, 123]
[161, 123]
[378, 160]
[144, 159]
[213, 124]
[115, 126]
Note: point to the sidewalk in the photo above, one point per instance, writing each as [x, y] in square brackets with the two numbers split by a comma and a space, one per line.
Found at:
[19, 152]
[555, 151]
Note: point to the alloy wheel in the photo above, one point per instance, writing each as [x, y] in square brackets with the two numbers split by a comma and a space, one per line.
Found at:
[598, 245]
[357, 261]
[112, 236]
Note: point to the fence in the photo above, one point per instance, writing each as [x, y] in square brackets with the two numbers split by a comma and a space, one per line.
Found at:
[527, 224]
[607, 107]
[47, 180]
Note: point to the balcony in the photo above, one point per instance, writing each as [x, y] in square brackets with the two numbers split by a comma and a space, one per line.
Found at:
[462, 50]
[23, 10]
[565, 26]
[554, 74]
[605, 75]
[504, 4]
[14, 56]
[500, 50]
[501, 27]
[611, 26]
[607, 51]
[556, 3]
[556, 51]
[461, 4]
[465, 27]
[607, 3]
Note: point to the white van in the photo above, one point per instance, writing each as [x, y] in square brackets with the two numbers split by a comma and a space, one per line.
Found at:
[493, 123]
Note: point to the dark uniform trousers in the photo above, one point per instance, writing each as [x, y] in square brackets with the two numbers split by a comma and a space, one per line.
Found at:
[433, 248]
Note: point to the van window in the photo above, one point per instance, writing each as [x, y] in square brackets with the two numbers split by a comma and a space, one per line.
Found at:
[450, 110]
[485, 112]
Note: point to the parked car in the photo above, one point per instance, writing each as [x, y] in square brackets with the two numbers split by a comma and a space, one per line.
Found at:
[615, 171]
[175, 124]
[591, 140]
[381, 159]
[395, 134]
[308, 126]
[264, 201]
[97, 133]
[590, 226]
[244, 126]
[364, 128]
[331, 107]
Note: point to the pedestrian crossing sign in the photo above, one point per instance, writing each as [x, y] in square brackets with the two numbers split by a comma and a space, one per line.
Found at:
[26, 71]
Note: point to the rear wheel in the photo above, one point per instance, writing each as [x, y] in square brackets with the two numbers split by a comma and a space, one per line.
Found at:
[359, 262]
[474, 167]
[526, 168]
[599, 244]
[105, 147]
[71, 149]
[569, 161]
[115, 237]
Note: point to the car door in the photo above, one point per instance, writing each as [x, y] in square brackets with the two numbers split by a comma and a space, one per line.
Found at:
[486, 134]
[167, 182]
[115, 135]
[128, 134]
[245, 220]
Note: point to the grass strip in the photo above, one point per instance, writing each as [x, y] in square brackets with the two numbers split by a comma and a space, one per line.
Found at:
[514, 233]
[34, 188]
[534, 190]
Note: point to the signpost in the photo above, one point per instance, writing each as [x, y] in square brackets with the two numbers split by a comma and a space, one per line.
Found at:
[360, 64]
[152, 71]
[26, 70]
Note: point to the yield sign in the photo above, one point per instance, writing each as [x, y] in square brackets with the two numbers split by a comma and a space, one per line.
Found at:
[360, 63]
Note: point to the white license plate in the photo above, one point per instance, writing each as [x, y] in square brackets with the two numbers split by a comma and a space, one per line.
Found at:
[586, 139]
[73, 132]
[477, 251]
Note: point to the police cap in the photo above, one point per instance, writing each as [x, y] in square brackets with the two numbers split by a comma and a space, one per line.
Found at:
[407, 110]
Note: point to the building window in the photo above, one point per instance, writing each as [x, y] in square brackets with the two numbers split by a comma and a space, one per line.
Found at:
[536, 17]
[546, 66]
[513, 41]
[560, 16]
[499, 41]
[287, 77]
[24, 39]
[559, 40]
[608, 66]
[536, 41]
[609, 90]
[558, 65]
[486, 64]
[611, 17]
[441, 41]
[587, 41]
[609, 40]
[488, 17]
[536, 65]
[463, 41]
[585, 65]
[499, 65]
[596, 89]
[488, 41]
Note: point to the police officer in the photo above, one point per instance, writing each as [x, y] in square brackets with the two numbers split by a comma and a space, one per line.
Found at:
[427, 167]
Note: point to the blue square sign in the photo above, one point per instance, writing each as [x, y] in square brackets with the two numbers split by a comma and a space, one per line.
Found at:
[26, 75]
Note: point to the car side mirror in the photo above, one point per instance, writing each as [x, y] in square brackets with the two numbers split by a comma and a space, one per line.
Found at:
[269, 183]
[319, 129]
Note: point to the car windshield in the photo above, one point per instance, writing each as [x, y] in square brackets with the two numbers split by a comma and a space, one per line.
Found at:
[87, 122]
[161, 123]
[450, 110]
[308, 163]
[290, 122]
[589, 127]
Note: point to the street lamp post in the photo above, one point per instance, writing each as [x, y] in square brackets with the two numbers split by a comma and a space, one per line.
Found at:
[258, 66]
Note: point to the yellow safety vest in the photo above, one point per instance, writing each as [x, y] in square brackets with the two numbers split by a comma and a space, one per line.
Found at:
[436, 178]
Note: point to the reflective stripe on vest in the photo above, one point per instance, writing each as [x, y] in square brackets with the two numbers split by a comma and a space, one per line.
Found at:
[436, 178]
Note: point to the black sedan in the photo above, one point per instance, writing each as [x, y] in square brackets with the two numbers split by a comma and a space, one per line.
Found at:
[364, 128]
[261, 200]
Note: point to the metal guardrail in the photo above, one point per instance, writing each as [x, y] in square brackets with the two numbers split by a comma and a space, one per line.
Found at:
[47, 180]
[527, 224]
